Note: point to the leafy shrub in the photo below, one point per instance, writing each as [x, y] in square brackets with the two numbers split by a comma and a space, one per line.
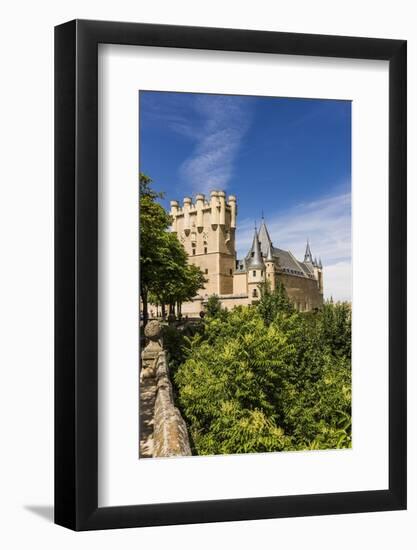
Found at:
[266, 378]
[213, 307]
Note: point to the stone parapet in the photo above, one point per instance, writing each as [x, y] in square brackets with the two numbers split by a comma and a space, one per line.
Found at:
[170, 435]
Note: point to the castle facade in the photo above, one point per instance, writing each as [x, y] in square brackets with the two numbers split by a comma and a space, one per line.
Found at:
[207, 228]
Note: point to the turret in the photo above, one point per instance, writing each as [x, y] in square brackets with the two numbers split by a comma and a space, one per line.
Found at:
[186, 210]
[255, 268]
[263, 236]
[233, 211]
[270, 267]
[320, 275]
[222, 202]
[174, 211]
[308, 257]
[199, 204]
[255, 257]
[214, 211]
[316, 265]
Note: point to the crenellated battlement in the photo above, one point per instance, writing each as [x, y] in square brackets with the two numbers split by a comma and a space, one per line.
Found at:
[206, 227]
[221, 212]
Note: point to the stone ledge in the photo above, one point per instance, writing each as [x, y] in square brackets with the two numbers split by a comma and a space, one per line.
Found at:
[170, 435]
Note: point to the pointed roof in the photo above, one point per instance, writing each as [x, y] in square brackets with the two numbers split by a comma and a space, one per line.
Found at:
[255, 260]
[308, 257]
[264, 238]
[320, 264]
[269, 254]
[263, 251]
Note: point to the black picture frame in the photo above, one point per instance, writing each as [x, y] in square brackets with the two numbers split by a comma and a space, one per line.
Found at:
[76, 272]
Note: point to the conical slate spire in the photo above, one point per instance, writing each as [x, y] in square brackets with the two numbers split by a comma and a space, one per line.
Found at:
[315, 263]
[320, 264]
[269, 256]
[264, 238]
[308, 257]
[255, 256]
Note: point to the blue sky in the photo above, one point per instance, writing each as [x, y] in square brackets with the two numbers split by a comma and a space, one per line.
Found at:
[288, 158]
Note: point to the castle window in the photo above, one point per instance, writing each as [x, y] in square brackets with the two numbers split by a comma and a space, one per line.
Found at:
[230, 271]
[253, 254]
[206, 271]
[205, 250]
[241, 266]
[193, 251]
[254, 293]
[254, 273]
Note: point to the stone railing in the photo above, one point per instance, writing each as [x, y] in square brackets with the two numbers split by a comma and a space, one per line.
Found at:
[163, 432]
[170, 436]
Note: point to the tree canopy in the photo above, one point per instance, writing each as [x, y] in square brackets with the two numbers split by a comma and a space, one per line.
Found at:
[165, 274]
[252, 382]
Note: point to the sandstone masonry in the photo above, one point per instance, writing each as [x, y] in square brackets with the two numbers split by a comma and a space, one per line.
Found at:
[163, 432]
[207, 228]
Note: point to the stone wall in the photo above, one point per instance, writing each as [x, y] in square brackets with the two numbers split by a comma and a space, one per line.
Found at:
[170, 436]
[304, 293]
[163, 432]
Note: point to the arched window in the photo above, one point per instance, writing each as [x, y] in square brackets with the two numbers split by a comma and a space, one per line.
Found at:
[254, 293]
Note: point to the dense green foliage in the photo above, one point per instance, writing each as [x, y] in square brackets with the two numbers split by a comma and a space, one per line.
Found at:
[165, 275]
[266, 378]
[213, 307]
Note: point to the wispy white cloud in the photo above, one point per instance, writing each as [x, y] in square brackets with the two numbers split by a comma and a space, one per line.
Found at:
[215, 125]
[172, 113]
[327, 224]
[223, 122]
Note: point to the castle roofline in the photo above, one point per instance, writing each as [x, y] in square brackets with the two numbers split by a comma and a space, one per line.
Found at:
[255, 260]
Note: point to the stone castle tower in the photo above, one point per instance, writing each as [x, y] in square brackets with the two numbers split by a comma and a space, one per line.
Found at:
[206, 228]
[207, 231]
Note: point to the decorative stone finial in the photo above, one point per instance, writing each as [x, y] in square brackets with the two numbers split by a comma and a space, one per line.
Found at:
[153, 330]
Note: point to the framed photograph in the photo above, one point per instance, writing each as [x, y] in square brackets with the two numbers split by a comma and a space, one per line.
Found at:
[230, 244]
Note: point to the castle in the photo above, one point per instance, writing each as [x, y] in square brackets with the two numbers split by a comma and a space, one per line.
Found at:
[207, 231]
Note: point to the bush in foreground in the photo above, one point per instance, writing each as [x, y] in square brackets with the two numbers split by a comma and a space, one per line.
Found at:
[257, 383]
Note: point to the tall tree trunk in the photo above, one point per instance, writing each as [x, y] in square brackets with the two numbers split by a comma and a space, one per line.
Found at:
[144, 295]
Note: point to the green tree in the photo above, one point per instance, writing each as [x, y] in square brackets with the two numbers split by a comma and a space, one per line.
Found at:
[214, 306]
[153, 225]
[273, 302]
[165, 274]
[254, 382]
[227, 387]
[178, 281]
[335, 327]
